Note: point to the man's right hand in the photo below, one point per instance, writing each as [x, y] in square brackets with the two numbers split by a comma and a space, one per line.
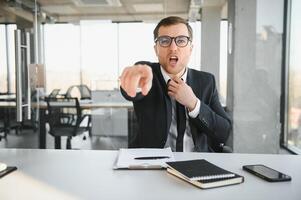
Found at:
[134, 77]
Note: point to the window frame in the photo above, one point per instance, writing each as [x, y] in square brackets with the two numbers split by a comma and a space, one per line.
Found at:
[284, 109]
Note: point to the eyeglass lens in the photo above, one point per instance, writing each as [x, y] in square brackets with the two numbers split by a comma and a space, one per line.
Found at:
[165, 41]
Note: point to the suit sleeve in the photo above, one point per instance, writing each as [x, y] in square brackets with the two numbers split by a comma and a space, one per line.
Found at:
[138, 96]
[212, 118]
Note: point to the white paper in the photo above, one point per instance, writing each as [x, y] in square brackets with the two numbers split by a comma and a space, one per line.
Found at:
[126, 158]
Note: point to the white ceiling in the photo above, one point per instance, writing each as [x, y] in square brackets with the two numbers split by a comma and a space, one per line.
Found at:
[125, 10]
[115, 10]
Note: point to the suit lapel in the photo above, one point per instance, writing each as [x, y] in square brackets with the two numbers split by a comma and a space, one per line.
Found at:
[191, 83]
[189, 79]
[166, 97]
[157, 70]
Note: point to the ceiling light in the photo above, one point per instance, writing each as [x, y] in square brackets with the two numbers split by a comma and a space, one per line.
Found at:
[150, 7]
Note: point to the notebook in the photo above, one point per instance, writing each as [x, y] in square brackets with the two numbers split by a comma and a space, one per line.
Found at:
[143, 158]
[203, 174]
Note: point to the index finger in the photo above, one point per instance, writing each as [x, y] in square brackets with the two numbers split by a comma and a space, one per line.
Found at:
[122, 77]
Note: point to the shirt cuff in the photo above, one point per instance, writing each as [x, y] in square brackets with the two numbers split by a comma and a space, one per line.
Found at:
[194, 113]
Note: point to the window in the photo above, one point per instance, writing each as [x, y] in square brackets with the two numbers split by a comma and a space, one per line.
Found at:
[195, 59]
[223, 61]
[7, 55]
[62, 56]
[135, 43]
[95, 52]
[99, 54]
[293, 132]
[3, 62]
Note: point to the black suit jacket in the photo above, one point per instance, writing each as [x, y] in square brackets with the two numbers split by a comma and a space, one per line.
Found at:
[153, 111]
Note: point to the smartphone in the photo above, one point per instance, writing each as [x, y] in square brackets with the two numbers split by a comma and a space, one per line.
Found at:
[7, 171]
[267, 173]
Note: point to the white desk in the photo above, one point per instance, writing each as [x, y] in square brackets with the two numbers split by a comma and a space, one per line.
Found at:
[61, 174]
[7, 97]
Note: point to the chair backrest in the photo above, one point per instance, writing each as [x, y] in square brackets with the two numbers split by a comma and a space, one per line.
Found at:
[133, 142]
[85, 92]
[54, 93]
[68, 92]
[80, 91]
[63, 112]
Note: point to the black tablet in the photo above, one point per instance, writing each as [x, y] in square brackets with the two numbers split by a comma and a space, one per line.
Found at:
[267, 173]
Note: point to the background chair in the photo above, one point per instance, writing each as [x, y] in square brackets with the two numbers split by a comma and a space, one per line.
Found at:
[3, 128]
[83, 92]
[54, 93]
[221, 148]
[64, 118]
[134, 130]
[8, 117]
[80, 91]
[69, 91]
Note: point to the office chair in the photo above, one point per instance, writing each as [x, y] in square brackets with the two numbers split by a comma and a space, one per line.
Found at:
[8, 118]
[133, 130]
[222, 148]
[64, 118]
[84, 93]
[54, 93]
[68, 93]
[81, 91]
[2, 125]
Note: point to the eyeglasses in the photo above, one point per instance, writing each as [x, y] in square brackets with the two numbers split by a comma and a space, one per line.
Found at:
[165, 41]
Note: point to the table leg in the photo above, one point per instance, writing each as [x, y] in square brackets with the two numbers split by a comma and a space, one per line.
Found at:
[42, 129]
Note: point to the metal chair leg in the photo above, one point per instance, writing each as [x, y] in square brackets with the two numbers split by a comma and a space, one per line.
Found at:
[57, 142]
[68, 146]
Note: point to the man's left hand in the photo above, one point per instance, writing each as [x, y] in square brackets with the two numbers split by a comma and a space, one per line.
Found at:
[182, 93]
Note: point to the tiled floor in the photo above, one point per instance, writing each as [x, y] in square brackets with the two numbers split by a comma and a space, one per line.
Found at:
[29, 139]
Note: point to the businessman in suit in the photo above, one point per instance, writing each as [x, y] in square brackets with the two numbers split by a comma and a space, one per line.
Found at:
[175, 106]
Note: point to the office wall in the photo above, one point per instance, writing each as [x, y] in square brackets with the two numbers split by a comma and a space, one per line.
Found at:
[254, 68]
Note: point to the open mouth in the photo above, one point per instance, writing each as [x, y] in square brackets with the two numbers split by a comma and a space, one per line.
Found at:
[173, 60]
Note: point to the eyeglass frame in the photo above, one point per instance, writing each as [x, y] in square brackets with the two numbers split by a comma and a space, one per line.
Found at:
[173, 38]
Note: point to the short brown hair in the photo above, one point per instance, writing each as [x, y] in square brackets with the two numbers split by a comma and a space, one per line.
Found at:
[172, 20]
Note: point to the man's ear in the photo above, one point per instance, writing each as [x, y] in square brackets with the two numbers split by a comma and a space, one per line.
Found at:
[191, 47]
[156, 51]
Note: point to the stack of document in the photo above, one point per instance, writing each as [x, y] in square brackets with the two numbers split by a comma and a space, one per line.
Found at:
[143, 158]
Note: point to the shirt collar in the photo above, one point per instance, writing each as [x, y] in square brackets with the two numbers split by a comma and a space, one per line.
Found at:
[166, 76]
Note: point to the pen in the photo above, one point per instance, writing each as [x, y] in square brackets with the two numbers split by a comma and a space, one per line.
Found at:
[151, 157]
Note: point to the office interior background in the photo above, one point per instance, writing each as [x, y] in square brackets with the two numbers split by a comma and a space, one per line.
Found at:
[251, 46]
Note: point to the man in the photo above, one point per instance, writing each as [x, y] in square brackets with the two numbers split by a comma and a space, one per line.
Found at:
[176, 106]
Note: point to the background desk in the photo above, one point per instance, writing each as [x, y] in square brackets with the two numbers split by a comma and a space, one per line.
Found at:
[61, 174]
[7, 97]
[83, 105]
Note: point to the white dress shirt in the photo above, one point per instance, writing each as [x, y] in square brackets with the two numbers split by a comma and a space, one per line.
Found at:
[188, 145]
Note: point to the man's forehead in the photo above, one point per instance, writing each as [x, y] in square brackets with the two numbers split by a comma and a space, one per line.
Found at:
[175, 29]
